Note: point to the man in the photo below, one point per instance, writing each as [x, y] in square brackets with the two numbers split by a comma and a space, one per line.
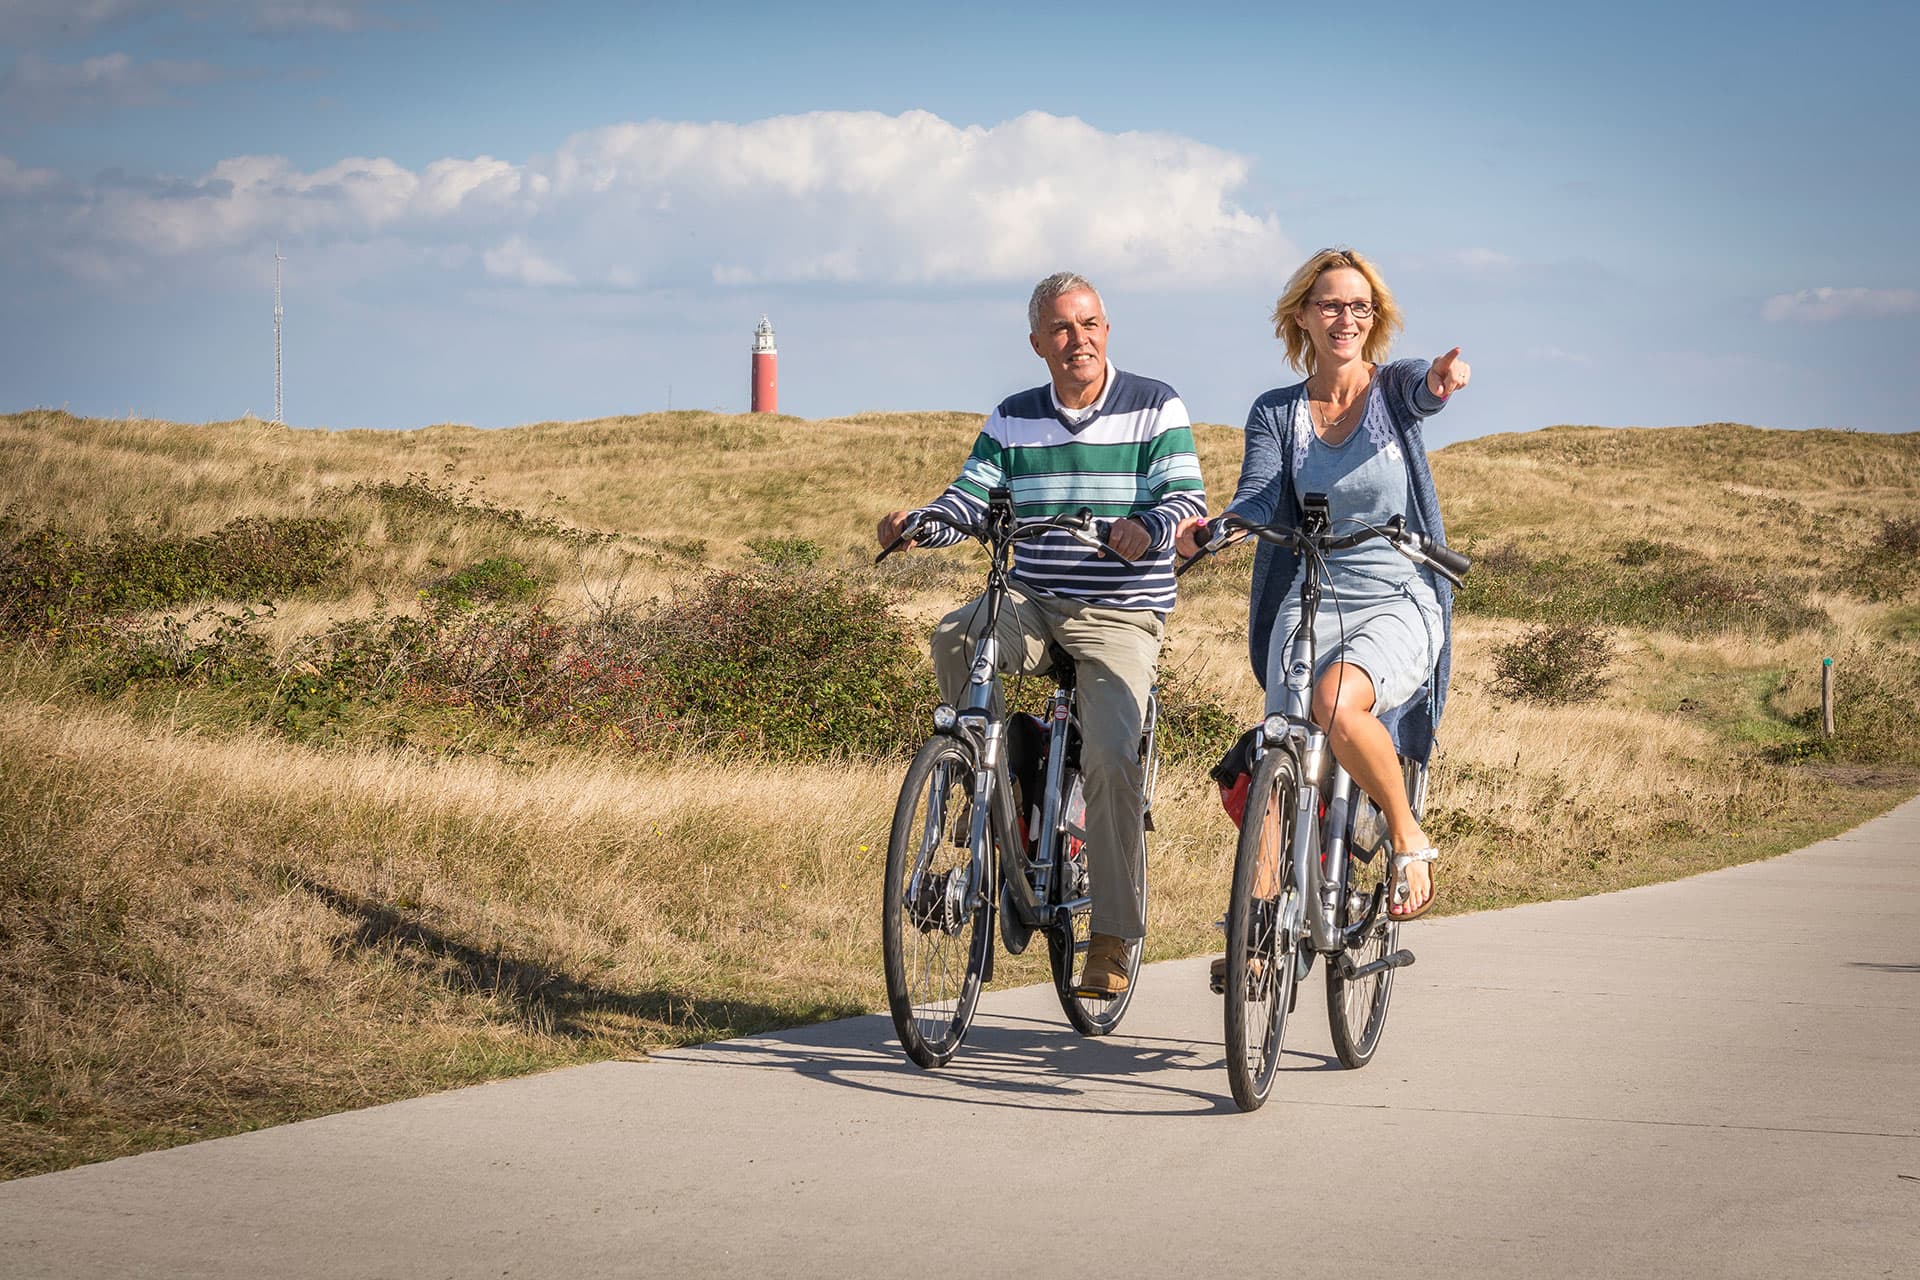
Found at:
[1093, 436]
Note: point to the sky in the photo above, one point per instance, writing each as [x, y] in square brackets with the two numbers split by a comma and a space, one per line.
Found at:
[1625, 214]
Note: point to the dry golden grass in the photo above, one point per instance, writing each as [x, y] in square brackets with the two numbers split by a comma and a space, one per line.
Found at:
[203, 935]
[205, 928]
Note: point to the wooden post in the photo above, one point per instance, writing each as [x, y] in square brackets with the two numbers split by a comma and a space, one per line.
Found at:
[1826, 696]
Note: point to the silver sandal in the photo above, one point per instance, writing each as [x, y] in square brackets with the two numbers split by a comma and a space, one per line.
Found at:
[1397, 865]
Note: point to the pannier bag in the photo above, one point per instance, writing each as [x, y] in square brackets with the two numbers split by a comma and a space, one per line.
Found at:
[1234, 773]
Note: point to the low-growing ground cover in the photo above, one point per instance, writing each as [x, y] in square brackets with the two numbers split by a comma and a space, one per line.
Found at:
[579, 739]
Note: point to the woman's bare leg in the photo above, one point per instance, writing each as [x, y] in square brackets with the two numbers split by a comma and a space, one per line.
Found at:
[1343, 706]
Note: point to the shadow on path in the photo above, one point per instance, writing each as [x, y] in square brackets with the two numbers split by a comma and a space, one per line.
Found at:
[1024, 1063]
[550, 999]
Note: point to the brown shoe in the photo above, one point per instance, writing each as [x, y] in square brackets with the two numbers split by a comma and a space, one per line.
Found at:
[1217, 973]
[1105, 973]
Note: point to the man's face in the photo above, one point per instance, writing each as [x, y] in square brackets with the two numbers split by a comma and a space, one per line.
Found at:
[1072, 339]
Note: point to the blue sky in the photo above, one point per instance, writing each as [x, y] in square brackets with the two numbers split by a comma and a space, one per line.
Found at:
[1626, 214]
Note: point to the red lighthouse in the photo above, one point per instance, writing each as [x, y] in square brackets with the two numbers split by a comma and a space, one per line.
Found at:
[766, 371]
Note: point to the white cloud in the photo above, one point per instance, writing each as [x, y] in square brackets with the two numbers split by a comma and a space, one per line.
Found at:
[34, 22]
[29, 21]
[37, 88]
[1480, 259]
[1818, 306]
[1558, 355]
[15, 180]
[516, 260]
[855, 197]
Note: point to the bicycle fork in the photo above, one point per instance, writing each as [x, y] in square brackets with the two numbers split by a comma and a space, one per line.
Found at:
[1321, 874]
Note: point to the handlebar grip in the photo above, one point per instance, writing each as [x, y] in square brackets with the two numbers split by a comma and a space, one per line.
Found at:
[1446, 557]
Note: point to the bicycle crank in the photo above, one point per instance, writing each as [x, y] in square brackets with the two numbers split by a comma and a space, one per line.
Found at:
[1351, 971]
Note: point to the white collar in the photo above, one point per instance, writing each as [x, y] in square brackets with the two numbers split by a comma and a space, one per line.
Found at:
[1078, 416]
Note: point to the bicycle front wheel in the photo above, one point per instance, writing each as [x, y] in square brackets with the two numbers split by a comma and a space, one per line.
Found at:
[935, 948]
[1261, 946]
[1357, 1007]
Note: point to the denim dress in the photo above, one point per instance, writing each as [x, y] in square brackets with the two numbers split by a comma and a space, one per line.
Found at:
[1377, 611]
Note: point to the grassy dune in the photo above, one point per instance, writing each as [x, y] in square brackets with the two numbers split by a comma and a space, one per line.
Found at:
[214, 918]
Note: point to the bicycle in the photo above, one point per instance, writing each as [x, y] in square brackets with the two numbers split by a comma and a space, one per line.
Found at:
[1309, 877]
[967, 845]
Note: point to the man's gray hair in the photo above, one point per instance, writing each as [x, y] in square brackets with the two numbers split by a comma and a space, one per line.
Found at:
[1060, 282]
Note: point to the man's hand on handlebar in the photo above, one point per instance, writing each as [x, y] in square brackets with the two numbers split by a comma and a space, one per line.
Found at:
[1128, 538]
[890, 526]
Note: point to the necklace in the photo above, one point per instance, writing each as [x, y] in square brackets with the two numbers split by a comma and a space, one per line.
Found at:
[1328, 425]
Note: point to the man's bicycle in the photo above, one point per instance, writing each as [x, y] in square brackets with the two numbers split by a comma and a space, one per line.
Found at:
[1310, 873]
[990, 822]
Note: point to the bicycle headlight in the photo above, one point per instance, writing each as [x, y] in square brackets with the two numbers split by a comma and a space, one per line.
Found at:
[945, 718]
[1273, 729]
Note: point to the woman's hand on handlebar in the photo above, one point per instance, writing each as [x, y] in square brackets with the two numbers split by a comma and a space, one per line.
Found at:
[1192, 534]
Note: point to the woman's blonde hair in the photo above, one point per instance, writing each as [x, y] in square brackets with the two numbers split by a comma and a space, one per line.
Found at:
[1286, 318]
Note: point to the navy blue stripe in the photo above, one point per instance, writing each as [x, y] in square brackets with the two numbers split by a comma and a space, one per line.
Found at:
[1130, 393]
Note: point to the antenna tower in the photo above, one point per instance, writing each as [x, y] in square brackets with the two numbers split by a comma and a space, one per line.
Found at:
[278, 314]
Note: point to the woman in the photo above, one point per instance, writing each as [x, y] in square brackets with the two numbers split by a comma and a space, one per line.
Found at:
[1352, 432]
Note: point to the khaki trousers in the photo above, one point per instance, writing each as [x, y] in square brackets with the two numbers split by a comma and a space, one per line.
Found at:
[1115, 651]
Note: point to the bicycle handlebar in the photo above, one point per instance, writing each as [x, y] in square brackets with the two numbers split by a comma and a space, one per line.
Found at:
[1082, 525]
[1417, 547]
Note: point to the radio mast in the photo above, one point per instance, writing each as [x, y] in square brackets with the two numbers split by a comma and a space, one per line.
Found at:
[278, 314]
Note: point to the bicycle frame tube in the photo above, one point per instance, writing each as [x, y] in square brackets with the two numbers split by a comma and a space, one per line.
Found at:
[1320, 873]
[994, 821]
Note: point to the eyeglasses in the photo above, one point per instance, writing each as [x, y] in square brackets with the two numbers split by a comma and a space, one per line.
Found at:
[1362, 309]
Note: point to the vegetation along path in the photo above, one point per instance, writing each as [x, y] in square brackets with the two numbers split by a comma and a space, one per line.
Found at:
[1711, 1077]
[344, 767]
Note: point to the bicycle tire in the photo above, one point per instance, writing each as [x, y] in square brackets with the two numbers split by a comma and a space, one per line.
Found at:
[1260, 971]
[1357, 1008]
[1067, 958]
[935, 955]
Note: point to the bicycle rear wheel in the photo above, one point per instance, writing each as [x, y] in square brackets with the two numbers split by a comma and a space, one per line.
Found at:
[1357, 1007]
[1067, 957]
[1260, 973]
[935, 949]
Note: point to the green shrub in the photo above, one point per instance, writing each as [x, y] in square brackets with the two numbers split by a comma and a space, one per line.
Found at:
[1555, 662]
[786, 553]
[1876, 709]
[50, 578]
[1888, 568]
[1642, 583]
[116, 656]
[418, 496]
[811, 663]
[498, 580]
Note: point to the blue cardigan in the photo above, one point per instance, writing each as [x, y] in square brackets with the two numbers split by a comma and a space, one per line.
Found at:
[1265, 494]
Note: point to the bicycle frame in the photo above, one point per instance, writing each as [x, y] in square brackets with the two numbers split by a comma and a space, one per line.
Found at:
[1032, 889]
[1037, 897]
[1326, 791]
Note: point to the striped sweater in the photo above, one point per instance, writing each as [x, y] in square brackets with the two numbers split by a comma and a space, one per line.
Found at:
[1131, 456]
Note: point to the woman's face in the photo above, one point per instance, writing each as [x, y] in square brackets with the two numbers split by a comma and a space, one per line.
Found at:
[1341, 337]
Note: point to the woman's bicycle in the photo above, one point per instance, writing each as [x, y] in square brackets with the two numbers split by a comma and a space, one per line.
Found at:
[990, 822]
[1310, 873]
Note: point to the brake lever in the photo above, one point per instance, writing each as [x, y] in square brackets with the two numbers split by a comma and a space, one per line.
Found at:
[1213, 547]
[907, 534]
[1106, 548]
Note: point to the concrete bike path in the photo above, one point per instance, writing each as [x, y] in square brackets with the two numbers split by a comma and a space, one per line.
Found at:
[1715, 1077]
